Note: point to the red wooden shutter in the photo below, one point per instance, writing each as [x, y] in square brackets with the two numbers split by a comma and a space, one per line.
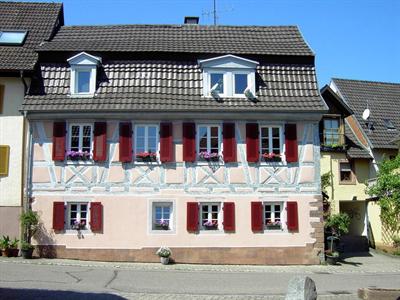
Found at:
[229, 216]
[100, 141]
[125, 142]
[96, 216]
[192, 221]
[189, 142]
[229, 142]
[252, 142]
[291, 143]
[59, 133]
[257, 216]
[58, 216]
[166, 146]
[292, 216]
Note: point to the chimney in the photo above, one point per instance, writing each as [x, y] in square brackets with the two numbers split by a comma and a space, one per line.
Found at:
[191, 20]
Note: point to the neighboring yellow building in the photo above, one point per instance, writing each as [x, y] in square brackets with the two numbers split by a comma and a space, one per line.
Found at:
[347, 162]
[375, 124]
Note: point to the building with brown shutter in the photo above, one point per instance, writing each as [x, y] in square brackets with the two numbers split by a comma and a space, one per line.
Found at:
[204, 139]
[23, 26]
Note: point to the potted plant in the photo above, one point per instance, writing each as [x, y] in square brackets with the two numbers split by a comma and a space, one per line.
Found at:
[210, 225]
[274, 225]
[271, 157]
[13, 248]
[5, 244]
[27, 250]
[164, 253]
[338, 225]
[30, 222]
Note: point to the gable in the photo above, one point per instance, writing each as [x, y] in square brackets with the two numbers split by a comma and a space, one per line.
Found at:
[228, 62]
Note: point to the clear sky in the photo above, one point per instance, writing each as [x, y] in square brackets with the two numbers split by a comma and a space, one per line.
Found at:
[354, 39]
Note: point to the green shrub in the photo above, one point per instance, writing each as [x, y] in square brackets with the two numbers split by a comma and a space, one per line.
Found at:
[338, 223]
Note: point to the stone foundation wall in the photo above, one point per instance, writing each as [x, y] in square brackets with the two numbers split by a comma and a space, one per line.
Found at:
[236, 256]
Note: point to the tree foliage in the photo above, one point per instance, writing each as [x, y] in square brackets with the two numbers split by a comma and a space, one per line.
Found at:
[338, 223]
[387, 190]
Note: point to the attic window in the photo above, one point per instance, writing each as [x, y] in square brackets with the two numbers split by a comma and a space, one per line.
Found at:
[83, 74]
[389, 124]
[12, 37]
[228, 76]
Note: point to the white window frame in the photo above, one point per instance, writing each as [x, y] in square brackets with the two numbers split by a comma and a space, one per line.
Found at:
[68, 204]
[74, 80]
[201, 220]
[249, 82]
[208, 126]
[135, 136]
[281, 140]
[81, 125]
[283, 216]
[225, 81]
[171, 215]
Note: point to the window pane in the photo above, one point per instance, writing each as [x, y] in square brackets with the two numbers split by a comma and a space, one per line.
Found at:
[217, 78]
[276, 144]
[87, 130]
[264, 144]
[74, 143]
[204, 208]
[275, 132]
[152, 131]
[140, 131]
[86, 143]
[214, 143]
[240, 83]
[202, 132]
[73, 207]
[83, 81]
[152, 145]
[214, 131]
[140, 144]
[12, 37]
[75, 130]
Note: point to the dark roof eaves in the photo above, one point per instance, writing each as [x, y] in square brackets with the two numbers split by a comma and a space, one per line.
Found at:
[336, 97]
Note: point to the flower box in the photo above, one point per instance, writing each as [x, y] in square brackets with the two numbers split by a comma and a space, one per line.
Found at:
[146, 157]
[210, 225]
[79, 225]
[164, 225]
[271, 157]
[208, 156]
[78, 155]
[273, 225]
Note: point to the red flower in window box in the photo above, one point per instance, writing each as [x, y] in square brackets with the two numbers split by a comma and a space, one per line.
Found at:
[210, 224]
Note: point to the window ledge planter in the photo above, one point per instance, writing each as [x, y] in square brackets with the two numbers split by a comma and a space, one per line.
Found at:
[146, 157]
[208, 156]
[271, 157]
[210, 225]
[333, 148]
[162, 225]
[78, 156]
[272, 226]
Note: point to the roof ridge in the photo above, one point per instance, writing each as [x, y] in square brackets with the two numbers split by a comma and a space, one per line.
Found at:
[28, 3]
[183, 25]
[367, 81]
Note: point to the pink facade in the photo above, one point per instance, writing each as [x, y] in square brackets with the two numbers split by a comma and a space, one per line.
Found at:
[134, 195]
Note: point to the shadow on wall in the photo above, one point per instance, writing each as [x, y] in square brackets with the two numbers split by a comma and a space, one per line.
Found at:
[46, 241]
[30, 294]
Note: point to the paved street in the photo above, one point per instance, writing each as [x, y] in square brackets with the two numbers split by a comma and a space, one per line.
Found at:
[68, 279]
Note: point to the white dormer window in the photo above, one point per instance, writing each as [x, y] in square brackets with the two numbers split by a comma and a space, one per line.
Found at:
[229, 76]
[83, 74]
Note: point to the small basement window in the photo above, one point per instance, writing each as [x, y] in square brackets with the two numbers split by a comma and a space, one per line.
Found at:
[12, 37]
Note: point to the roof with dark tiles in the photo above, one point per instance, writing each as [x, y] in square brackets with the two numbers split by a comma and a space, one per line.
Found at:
[261, 40]
[383, 100]
[39, 19]
[175, 86]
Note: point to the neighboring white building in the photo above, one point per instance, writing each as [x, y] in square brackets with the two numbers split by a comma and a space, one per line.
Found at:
[23, 26]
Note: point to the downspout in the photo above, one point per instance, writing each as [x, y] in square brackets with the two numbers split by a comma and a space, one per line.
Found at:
[29, 168]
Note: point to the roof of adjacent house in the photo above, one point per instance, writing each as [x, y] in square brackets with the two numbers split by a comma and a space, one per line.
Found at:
[38, 19]
[260, 40]
[354, 148]
[173, 85]
[383, 100]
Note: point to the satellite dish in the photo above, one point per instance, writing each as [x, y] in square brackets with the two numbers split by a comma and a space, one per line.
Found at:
[366, 114]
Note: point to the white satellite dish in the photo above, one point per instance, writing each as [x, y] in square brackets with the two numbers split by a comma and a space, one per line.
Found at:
[366, 114]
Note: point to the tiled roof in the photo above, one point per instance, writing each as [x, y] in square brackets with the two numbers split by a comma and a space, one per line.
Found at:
[38, 19]
[260, 40]
[354, 147]
[175, 86]
[384, 103]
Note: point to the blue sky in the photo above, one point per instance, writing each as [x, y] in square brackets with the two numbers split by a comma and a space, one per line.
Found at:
[355, 39]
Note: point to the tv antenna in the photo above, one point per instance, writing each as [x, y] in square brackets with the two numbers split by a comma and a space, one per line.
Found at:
[215, 12]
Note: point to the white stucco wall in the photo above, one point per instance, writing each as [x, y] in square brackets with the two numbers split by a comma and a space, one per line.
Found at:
[11, 134]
